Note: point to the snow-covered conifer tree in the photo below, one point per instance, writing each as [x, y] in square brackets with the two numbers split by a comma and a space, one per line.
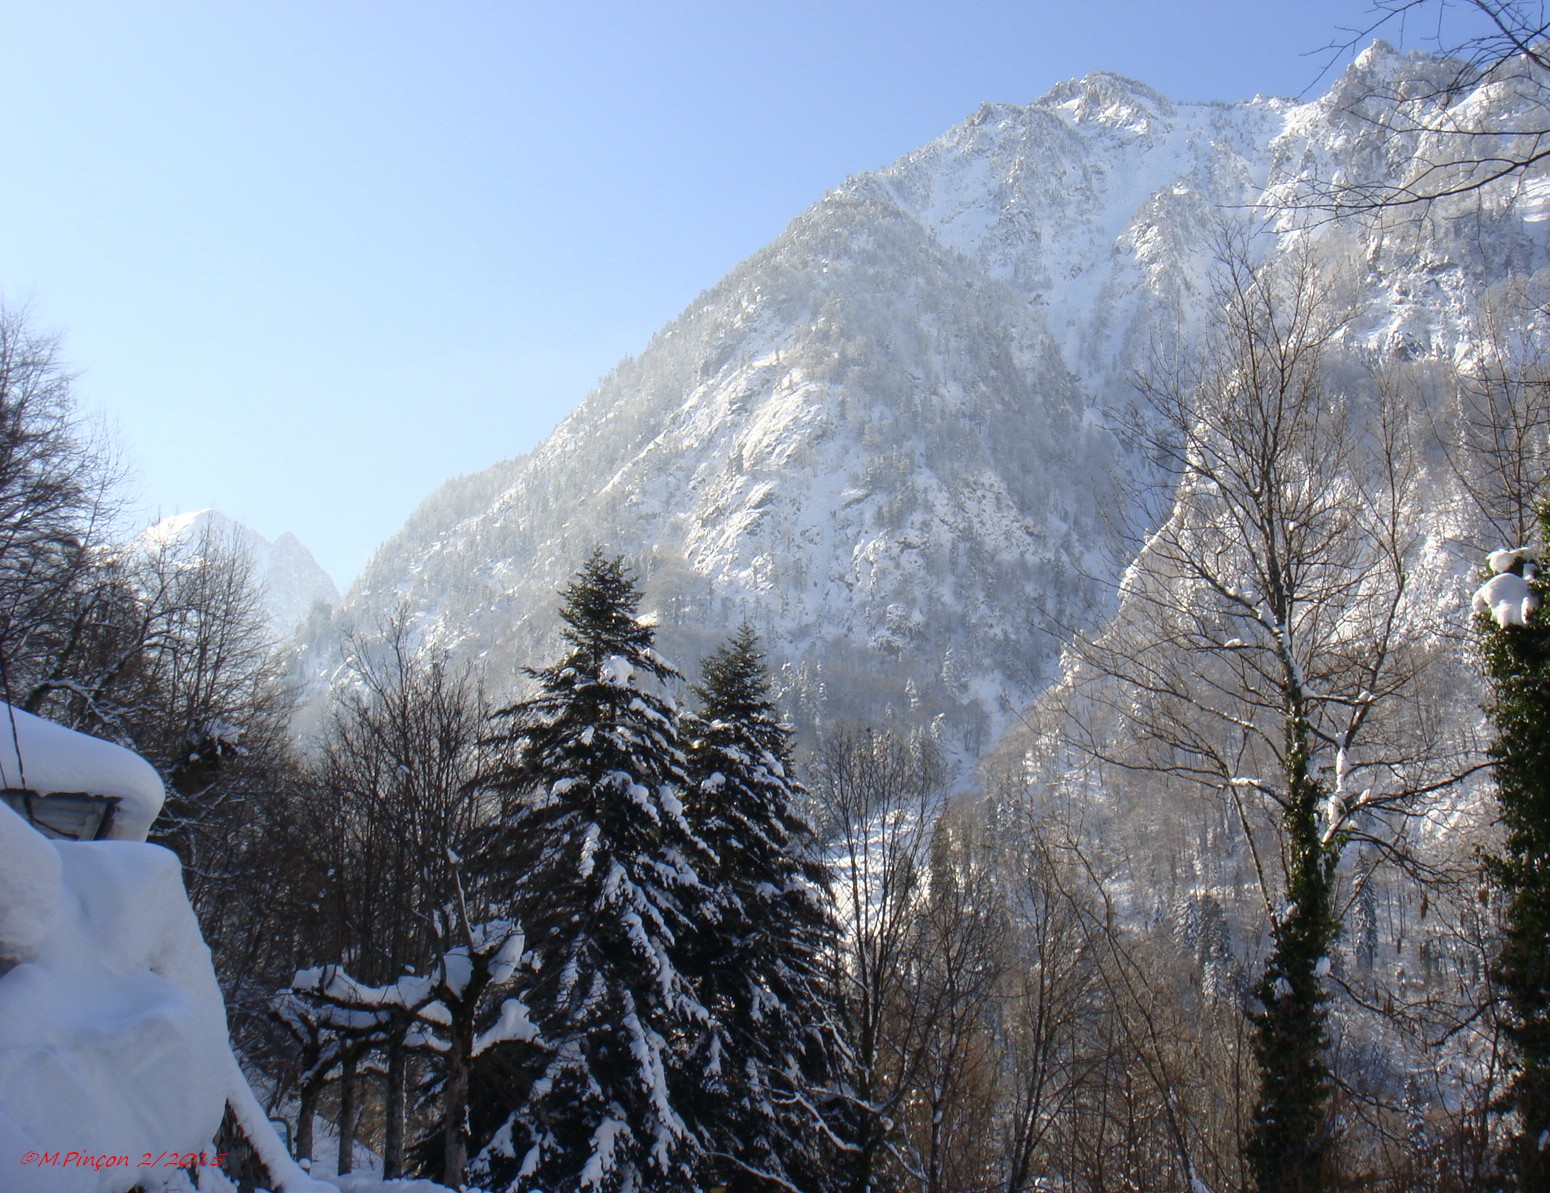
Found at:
[602, 872]
[770, 1050]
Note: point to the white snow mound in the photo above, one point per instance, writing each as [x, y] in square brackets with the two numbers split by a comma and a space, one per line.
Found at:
[616, 672]
[1507, 598]
[29, 887]
[112, 1028]
[1507, 558]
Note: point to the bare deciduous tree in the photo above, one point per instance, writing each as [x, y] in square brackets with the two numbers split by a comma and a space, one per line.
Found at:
[397, 763]
[57, 503]
[958, 961]
[877, 795]
[1265, 651]
[1500, 452]
[399, 957]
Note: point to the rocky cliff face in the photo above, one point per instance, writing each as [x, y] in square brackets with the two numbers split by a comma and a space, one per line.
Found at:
[887, 439]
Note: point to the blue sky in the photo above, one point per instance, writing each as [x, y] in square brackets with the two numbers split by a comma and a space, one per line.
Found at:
[312, 259]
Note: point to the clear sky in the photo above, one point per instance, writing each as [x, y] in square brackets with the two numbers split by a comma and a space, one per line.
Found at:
[314, 257]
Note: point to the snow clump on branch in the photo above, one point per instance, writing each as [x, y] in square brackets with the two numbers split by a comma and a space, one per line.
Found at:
[1507, 595]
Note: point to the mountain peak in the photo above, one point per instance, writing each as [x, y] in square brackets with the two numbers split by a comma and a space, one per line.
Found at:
[1110, 100]
[1379, 55]
[182, 527]
[1380, 72]
[292, 580]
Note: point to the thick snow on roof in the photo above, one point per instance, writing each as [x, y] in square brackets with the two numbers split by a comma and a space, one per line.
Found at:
[55, 759]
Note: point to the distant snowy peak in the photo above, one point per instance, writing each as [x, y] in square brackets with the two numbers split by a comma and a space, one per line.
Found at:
[293, 582]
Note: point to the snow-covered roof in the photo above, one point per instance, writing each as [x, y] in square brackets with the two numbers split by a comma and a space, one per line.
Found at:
[54, 759]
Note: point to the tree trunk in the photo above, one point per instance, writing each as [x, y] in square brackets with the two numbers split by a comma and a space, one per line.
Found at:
[1288, 1146]
[306, 1115]
[393, 1133]
[455, 1107]
[347, 1111]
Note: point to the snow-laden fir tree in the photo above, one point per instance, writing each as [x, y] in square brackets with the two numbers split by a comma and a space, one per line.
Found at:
[602, 867]
[1515, 644]
[770, 1052]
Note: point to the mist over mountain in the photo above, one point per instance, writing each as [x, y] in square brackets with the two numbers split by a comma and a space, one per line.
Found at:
[888, 439]
[290, 580]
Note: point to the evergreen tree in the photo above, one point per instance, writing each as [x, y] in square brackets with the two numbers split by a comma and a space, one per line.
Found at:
[769, 1050]
[602, 867]
[1288, 1148]
[1515, 645]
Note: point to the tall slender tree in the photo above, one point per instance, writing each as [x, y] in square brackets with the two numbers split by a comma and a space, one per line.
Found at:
[1261, 652]
[1514, 625]
[770, 1050]
[603, 874]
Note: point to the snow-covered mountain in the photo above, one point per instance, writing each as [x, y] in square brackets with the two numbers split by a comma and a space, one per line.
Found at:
[290, 579]
[887, 438]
